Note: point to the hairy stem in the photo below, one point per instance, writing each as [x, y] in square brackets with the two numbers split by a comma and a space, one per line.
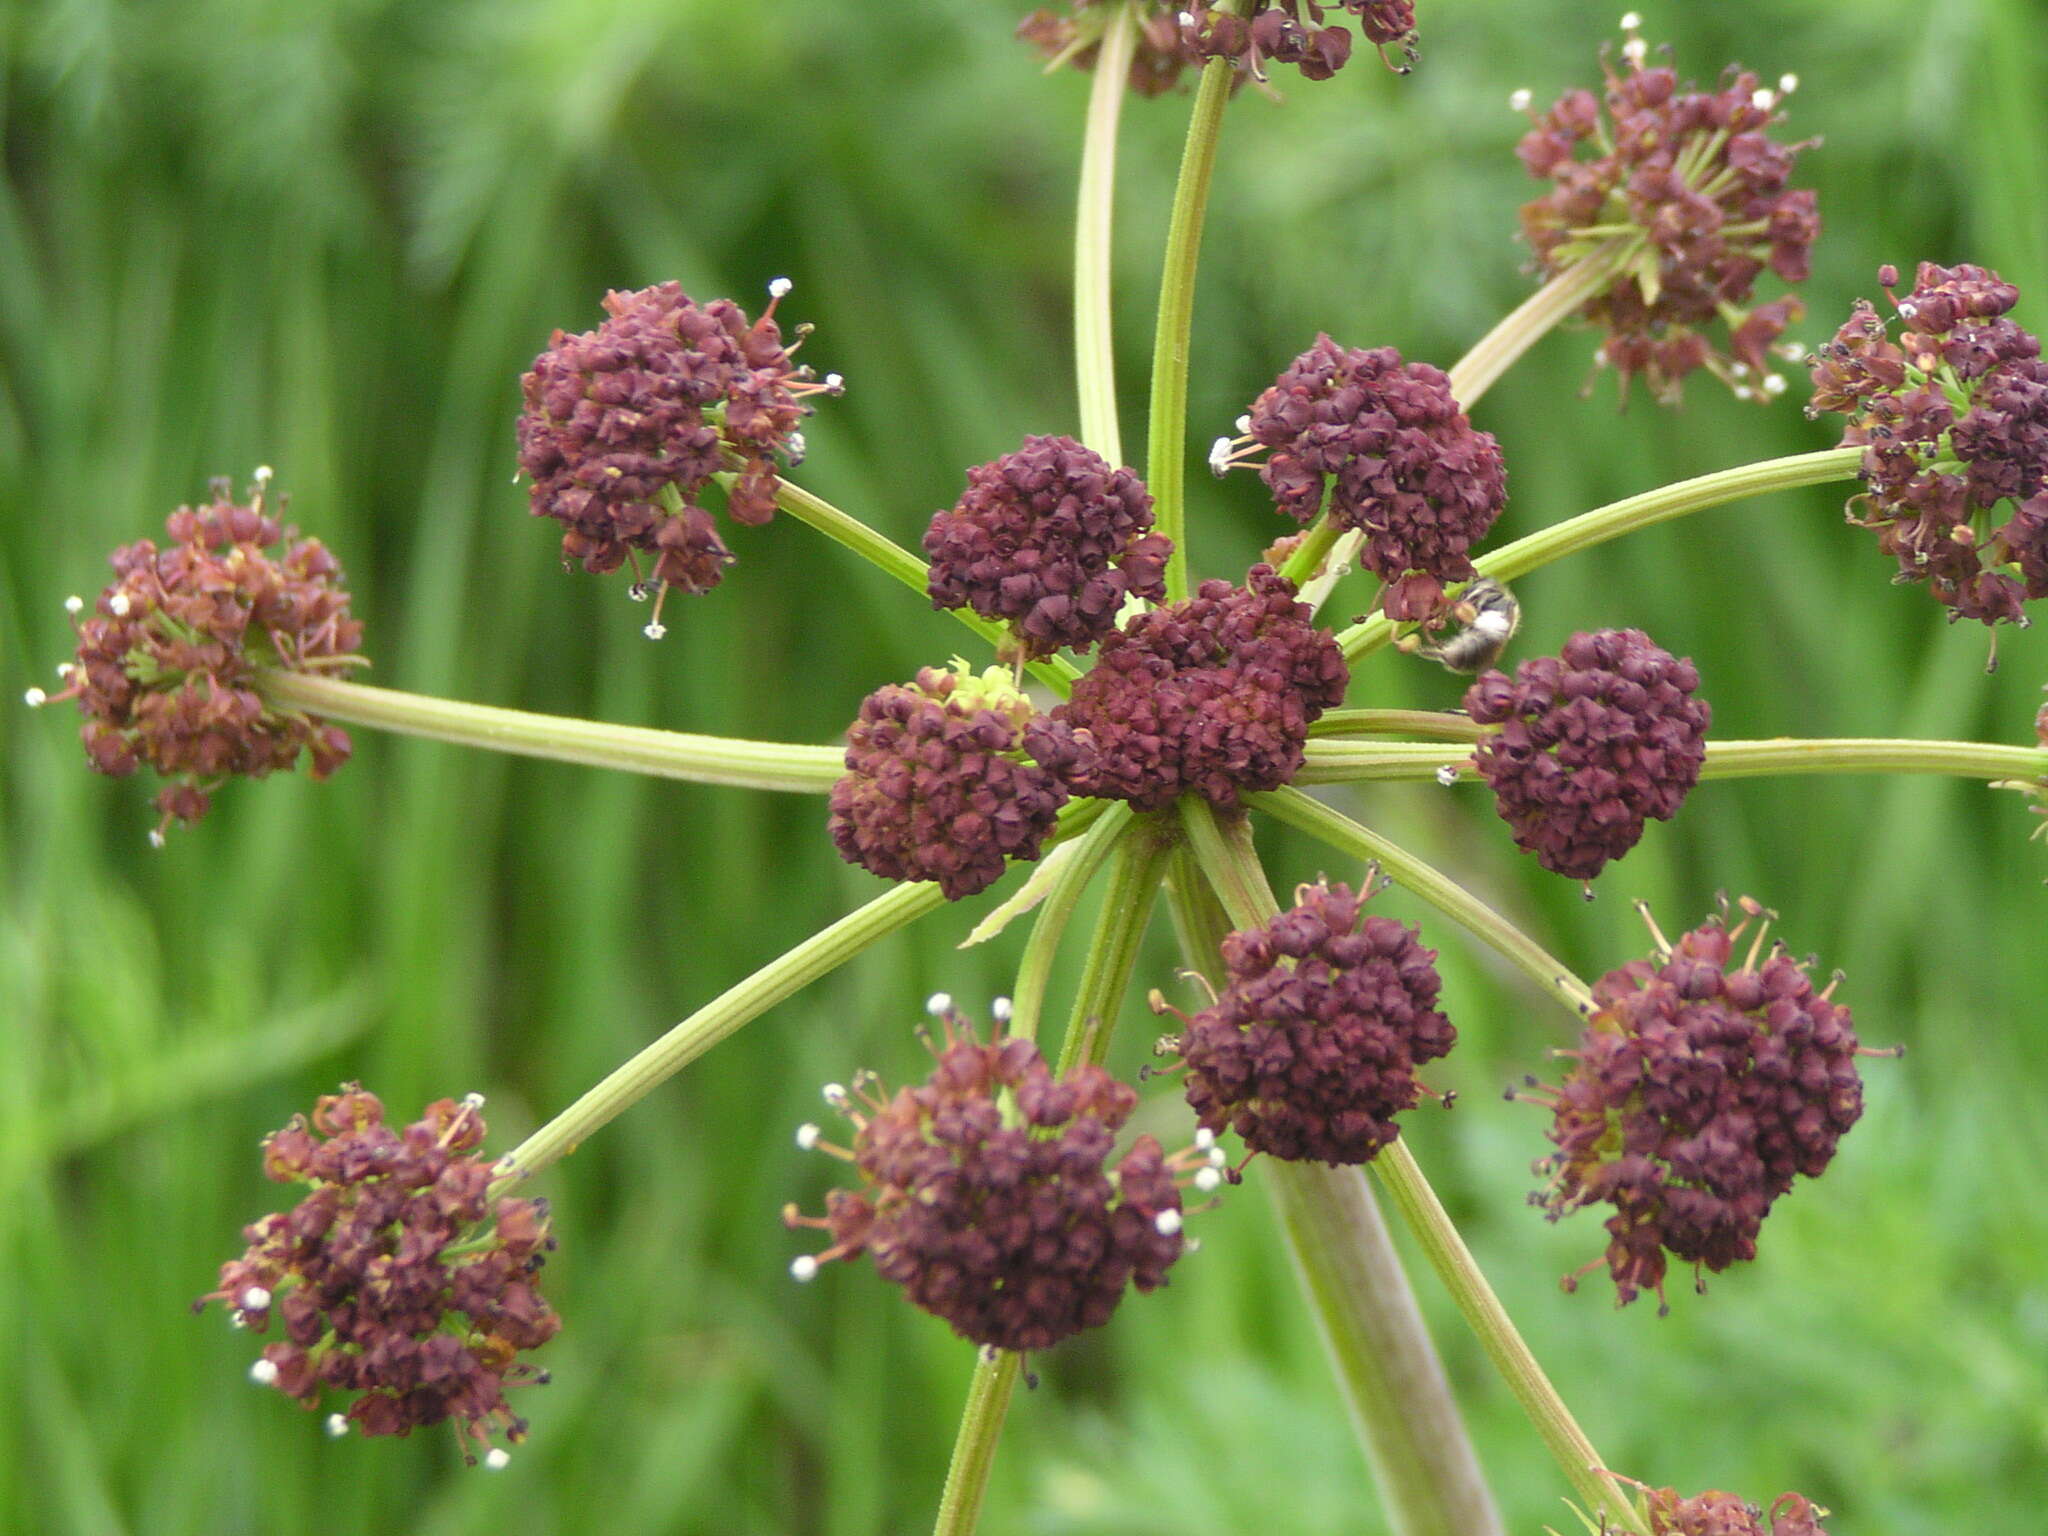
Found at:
[1094, 333]
[1166, 446]
[974, 1447]
[1433, 886]
[632, 748]
[1612, 521]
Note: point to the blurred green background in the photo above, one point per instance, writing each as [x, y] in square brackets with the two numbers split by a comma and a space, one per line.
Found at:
[328, 237]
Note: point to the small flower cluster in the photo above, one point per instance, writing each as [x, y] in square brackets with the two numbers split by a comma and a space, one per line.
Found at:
[167, 662]
[1075, 37]
[1214, 694]
[1698, 1092]
[1312, 1047]
[1399, 461]
[397, 1278]
[1591, 744]
[988, 1194]
[626, 425]
[1954, 419]
[1726, 1514]
[935, 787]
[1294, 32]
[1698, 190]
[1051, 539]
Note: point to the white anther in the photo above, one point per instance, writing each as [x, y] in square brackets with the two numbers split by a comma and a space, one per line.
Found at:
[1774, 384]
[263, 474]
[1207, 1179]
[1217, 1157]
[1519, 102]
[1166, 1223]
[1635, 50]
[65, 669]
[1908, 309]
[264, 1373]
[807, 1136]
[1243, 424]
[939, 1004]
[255, 1299]
[118, 605]
[1763, 98]
[655, 630]
[35, 698]
[1219, 457]
[796, 447]
[803, 1268]
[779, 287]
[1631, 21]
[1792, 352]
[1187, 18]
[156, 837]
[835, 384]
[1205, 1138]
[1744, 392]
[834, 1094]
[74, 604]
[337, 1425]
[1000, 1009]
[1787, 84]
[497, 1458]
[472, 1101]
[1738, 370]
[1447, 775]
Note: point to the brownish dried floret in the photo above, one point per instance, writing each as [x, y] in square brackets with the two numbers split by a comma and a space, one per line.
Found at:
[1213, 695]
[1591, 744]
[399, 1279]
[990, 1195]
[1697, 192]
[1074, 36]
[1953, 419]
[1174, 36]
[1701, 1088]
[625, 426]
[1726, 1514]
[1312, 1047]
[1051, 539]
[936, 787]
[169, 660]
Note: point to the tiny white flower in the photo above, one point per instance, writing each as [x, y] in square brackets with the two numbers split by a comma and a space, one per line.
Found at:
[255, 1299]
[939, 1004]
[74, 604]
[337, 1425]
[35, 698]
[118, 605]
[807, 1136]
[655, 630]
[264, 1373]
[779, 287]
[1166, 1223]
[803, 1268]
[1519, 102]
[1000, 1010]
[497, 1458]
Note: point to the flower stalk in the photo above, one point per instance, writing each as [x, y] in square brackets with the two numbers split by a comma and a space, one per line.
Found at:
[1094, 330]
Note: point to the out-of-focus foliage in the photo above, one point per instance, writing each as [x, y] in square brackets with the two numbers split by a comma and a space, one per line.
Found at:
[328, 236]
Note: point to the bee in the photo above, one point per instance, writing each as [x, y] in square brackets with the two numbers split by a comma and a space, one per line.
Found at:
[1490, 615]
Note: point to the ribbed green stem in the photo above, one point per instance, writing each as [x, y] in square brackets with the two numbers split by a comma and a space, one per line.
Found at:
[1433, 886]
[1401, 1405]
[1077, 872]
[1166, 446]
[1094, 333]
[974, 1447]
[1397, 722]
[632, 748]
[1612, 521]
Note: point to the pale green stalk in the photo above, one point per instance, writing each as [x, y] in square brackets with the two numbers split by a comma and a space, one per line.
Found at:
[1397, 722]
[1034, 971]
[1094, 332]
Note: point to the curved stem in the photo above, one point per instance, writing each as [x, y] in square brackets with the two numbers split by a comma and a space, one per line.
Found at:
[1166, 445]
[1433, 886]
[1612, 521]
[1094, 334]
[632, 748]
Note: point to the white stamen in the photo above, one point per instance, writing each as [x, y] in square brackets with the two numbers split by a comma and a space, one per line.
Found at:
[835, 384]
[156, 837]
[834, 1094]
[1738, 370]
[797, 447]
[1631, 21]
[1792, 352]
[655, 630]
[472, 1101]
[1219, 457]
[1217, 1158]
[497, 1458]
[74, 604]
[1244, 424]
[35, 698]
[1908, 309]
[779, 287]
[1762, 98]
[1000, 1010]
[1744, 392]
[939, 1004]
[1447, 775]
[1205, 1138]
[1519, 102]
[264, 1373]
[65, 669]
[118, 605]
[1787, 84]
[1166, 1223]
[337, 1425]
[807, 1136]
[1207, 1179]
[1635, 50]
[1774, 384]
[263, 474]
[255, 1299]
[803, 1268]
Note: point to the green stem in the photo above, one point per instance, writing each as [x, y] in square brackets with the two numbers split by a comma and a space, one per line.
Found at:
[1394, 1384]
[1094, 332]
[819, 955]
[891, 558]
[1433, 886]
[1311, 555]
[1349, 762]
[1511, 561]
[1034, 972]
[632, 748]
[974, 1448]
[1166, 456]
[1397, 722]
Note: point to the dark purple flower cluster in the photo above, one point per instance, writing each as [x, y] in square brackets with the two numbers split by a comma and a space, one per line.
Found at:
[1698, 1092]
[1727, 1514]
[935, 786]
[398, 1278]
[167, 663]
[1294, 32]
[649, 406]
[1401, 463]
[1591, 745]
[1214, 695]
[1312, 1048]
[1052, 539]
[1699, 190]
[988, 1194]
[1953, 417]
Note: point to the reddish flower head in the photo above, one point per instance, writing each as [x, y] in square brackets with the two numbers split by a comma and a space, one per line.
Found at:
[169, 659]
[1052, 539]
[1312, 1048]
[990, 1195]
[1726, 1514]
[1591, 744]
[398, 1279]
